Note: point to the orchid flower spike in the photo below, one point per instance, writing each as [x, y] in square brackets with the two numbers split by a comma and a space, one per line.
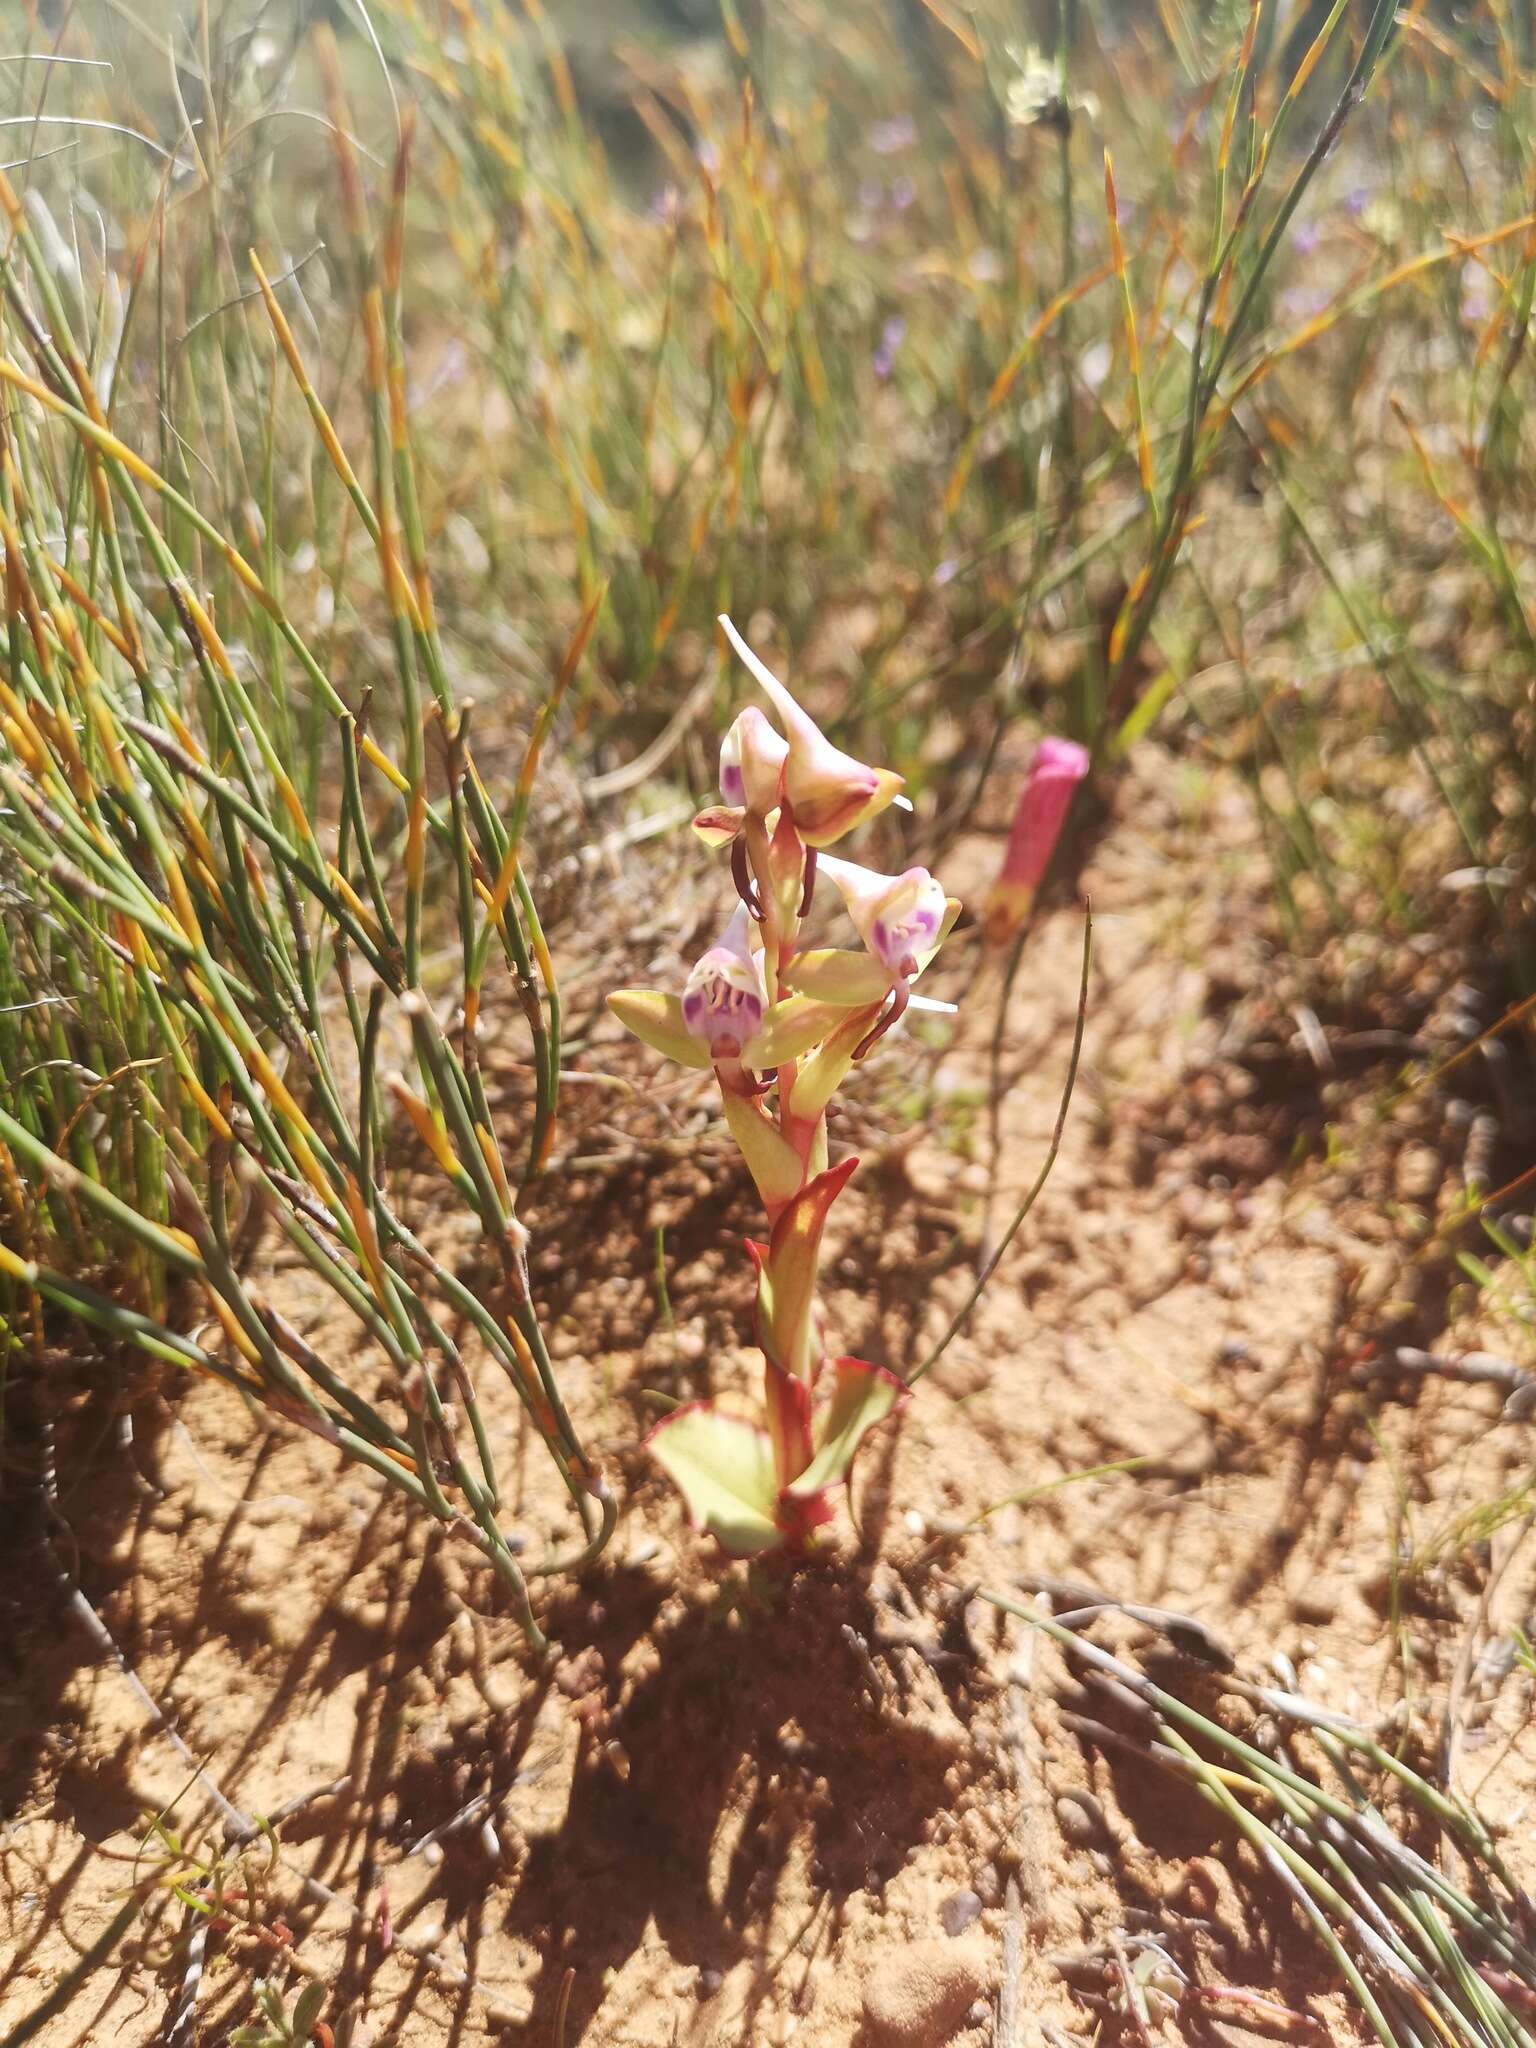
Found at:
[1058, 767]
[723, 1001]
[899, 917]
[827, 791]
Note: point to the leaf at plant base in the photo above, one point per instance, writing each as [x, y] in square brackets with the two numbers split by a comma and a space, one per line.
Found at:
[837, 974]
[775, 1164]
[791, 1027]
[657, 1019]
[793, 1251]
[863, 1396]
[723, 1468]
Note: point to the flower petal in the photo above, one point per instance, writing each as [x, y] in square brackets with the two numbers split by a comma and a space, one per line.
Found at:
[829, 791]
[723, 1000]
[657, 1020]
[723, 1468]
[899, 917]
[752, 757]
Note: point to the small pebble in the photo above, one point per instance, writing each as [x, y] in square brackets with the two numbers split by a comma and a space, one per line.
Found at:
[958, 1912]
[1312, 1607]
[1081, 1818]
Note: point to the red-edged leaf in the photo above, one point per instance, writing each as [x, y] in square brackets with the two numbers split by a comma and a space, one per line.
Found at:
[800, 1514]
[863, 1396]
[788, 1297]
[788, 1402]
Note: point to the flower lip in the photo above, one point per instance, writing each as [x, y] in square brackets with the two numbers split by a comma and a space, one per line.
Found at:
[907, 922]
[723, 1001]
[899, 917]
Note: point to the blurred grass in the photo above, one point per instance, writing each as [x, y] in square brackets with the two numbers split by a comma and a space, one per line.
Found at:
[857, 345]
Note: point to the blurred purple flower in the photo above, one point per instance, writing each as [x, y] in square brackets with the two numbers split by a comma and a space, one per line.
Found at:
[1356, 200]
[892, 335]
[886, 138]
[1476, 299]
[1303, 302]
[903, 192]
[1306, 238]
[946, 572]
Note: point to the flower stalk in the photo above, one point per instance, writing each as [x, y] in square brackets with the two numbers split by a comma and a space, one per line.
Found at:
[781, 1024]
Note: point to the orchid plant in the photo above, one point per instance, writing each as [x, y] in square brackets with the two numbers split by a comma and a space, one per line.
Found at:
[781, 1024]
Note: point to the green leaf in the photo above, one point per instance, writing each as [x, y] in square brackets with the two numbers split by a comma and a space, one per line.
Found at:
[862, 1398]
[657, 1020]
[306, 2010]
[723, 1468]
[1145, 712]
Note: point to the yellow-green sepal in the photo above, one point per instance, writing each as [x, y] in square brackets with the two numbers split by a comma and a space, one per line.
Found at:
[657, 1020]
[819, 1079]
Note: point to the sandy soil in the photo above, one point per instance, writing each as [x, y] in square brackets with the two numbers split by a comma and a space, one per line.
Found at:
[840, 1808]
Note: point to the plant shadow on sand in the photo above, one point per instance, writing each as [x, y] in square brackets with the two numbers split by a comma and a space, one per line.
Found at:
[744, 1746]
